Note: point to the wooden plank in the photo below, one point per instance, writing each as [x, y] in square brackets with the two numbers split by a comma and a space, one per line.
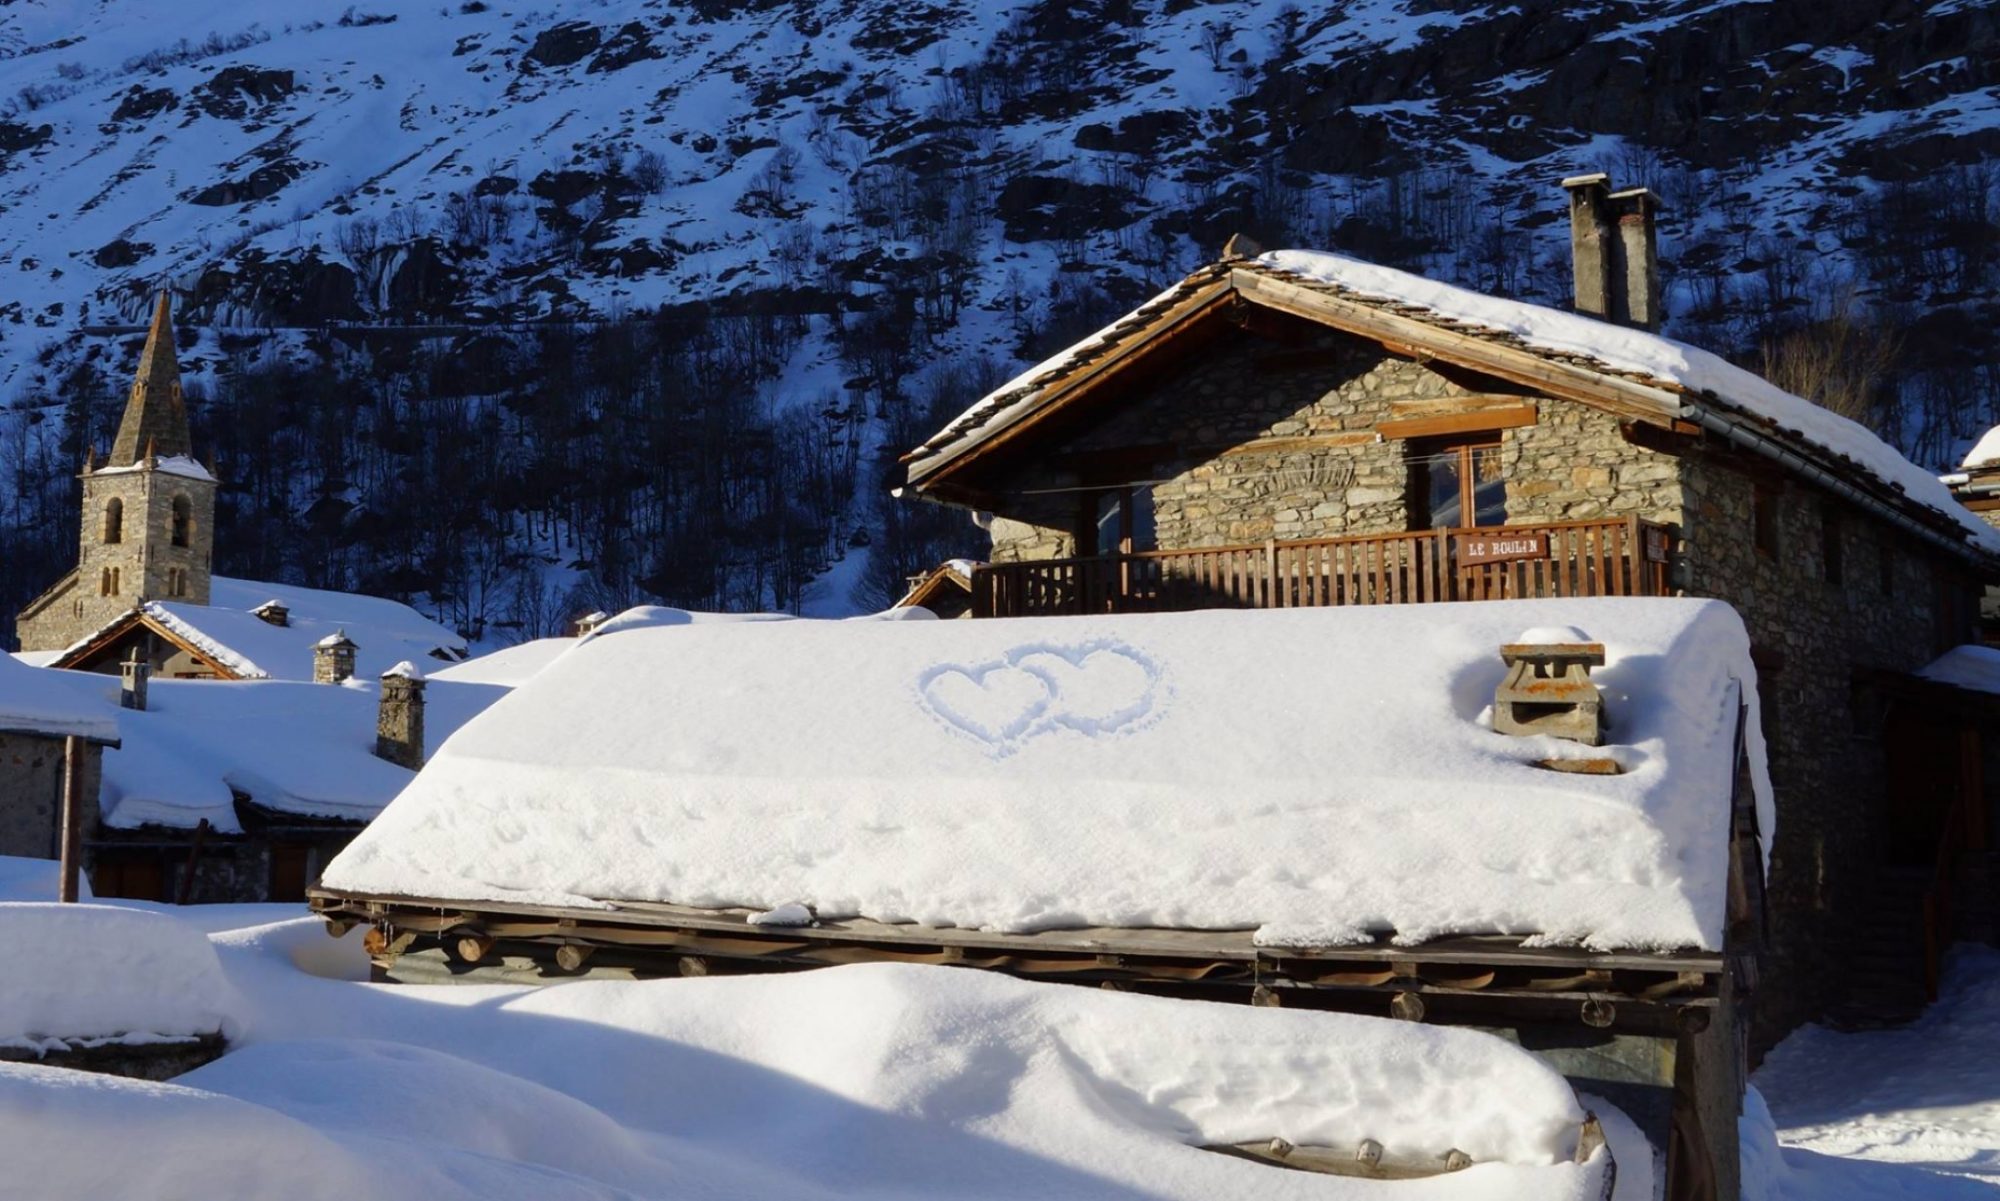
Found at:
[1303, 442]
[1569, 381]
[1472, 422]
[1221, 944]
[1446, 406]
[1027, 413]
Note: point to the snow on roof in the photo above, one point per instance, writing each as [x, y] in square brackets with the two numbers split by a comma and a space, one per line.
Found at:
[508, 666]
[107, 975]
[1659, 361]
[1317, 775]
[1984, 453]
[1970, 666]
[25, 879]
[180, 465]
[29, 706]
[228, 629]
[1650, 355]
[405, 670]
[290, 746]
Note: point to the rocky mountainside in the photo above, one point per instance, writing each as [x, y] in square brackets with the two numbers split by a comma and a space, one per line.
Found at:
[513, 309]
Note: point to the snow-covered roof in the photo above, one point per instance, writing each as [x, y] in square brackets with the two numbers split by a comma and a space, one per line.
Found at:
[228, 629]
[508, 666]
[1970, 666]
[1677, 371]
[107, 974]
[29, 706]
[291, 747]
[1316, 775]
[181, 465]
[1985, 453]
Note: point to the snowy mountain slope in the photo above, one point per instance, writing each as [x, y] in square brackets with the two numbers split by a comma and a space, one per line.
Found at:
[919, 194]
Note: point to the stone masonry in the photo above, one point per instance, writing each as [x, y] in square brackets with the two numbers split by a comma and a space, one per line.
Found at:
[1253, 475]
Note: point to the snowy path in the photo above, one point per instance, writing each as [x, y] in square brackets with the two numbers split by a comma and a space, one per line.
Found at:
[1923, 1100]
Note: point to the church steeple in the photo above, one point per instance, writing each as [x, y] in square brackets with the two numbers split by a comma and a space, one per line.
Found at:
[155, 418]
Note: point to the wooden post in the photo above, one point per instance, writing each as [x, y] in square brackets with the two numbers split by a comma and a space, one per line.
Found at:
[185, 892]
[72, 819]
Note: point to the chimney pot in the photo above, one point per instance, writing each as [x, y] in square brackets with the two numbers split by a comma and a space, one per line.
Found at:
[1614, 251]
[1548, 690]
[133, 677]
[333, 658]
[399, 720]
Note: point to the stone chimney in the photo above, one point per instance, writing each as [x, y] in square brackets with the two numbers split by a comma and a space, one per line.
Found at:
[333, 658]
[1548, 689]
[1614, 251]
[588, 623]
[399, 723]
[274, 613]
[133, 676]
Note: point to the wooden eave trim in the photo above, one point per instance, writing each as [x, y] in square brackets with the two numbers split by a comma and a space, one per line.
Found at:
[1476, 421]
[125, 625]
[932, 585]
[1026, 413]
[1498, 950]
[1982, 504]
[31, 732]
[1625, 397]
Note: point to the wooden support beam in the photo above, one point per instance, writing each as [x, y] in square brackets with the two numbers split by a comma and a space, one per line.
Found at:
[1470, 421]
[473, 947]
[72, 820]
[1628, 397]
[571, 956]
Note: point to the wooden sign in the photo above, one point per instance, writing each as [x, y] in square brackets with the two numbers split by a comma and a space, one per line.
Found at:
[1655, 544]
[1502, 547]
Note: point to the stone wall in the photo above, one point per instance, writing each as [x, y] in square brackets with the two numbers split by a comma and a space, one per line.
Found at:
[1290, 454]
[1812, 634]
[144, 557]
[31, 768]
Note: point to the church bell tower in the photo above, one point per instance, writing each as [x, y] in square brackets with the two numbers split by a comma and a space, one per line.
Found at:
[148, 511]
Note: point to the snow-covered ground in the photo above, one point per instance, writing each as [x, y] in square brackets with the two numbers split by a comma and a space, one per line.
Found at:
[877, 1080]
[1910, 1112]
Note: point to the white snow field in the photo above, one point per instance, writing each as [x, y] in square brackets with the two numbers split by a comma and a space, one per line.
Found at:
[1924, 1098]
[1315, 775]
[865, 1081]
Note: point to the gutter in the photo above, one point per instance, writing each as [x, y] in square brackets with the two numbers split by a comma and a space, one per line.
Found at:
[1792, 460]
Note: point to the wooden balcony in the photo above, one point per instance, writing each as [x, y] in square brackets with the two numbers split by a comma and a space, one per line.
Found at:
[1624, 557]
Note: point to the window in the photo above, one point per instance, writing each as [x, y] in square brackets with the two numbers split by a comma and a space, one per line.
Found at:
[183, 527]
[1764, 518]
[114, 520]
[1832, 544]
[1457, 483]
[1119, 521]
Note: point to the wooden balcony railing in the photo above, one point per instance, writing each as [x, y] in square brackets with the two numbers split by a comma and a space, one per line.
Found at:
[1625, 557]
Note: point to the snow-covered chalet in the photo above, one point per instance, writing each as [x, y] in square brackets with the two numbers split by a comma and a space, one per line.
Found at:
[1304, 429]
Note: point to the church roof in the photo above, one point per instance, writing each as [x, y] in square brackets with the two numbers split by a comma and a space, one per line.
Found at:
[155, 420]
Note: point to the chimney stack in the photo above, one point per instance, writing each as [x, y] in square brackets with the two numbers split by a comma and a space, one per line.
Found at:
[273, 612]
[1614, 250]
[399, 722]
[333, 658]
[133, 676]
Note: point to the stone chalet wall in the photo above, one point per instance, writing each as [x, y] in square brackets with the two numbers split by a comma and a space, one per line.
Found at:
[31, 793]
[1812, 635]
[1237, 482]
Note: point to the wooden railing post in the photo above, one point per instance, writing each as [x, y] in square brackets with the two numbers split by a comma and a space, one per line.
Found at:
[71, 867]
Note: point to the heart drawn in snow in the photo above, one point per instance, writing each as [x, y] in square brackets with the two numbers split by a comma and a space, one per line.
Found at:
[995, 702]
[1094, 689]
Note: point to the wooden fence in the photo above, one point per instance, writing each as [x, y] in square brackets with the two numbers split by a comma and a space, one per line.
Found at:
[1625, 557]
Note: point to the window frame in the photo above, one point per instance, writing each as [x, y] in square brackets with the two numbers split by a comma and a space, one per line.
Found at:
[1422, 454]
